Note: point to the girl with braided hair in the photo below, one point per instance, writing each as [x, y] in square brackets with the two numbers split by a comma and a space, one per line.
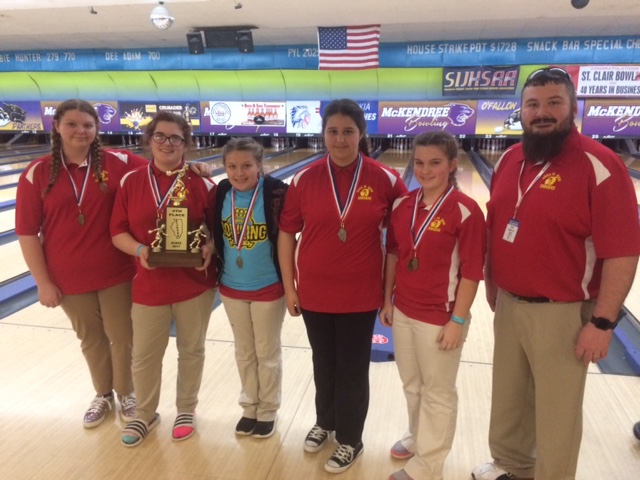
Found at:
[63, 208]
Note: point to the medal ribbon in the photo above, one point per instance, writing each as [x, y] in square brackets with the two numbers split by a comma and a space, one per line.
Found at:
[158, 199]
[239, 239]
[343, 211]
[415, 239]
[79, 197]
[520, 194]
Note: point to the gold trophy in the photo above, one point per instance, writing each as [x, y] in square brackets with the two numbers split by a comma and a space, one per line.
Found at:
[174, 244]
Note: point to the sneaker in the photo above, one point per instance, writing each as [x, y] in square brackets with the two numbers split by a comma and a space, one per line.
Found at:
[245, 426]
[264, 429]
[128, 406]
[343, 458]
[489, 471]
[398, 451]
[98, 410]
[316, 438]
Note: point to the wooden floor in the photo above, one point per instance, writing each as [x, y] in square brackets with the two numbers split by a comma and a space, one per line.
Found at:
[45, 389]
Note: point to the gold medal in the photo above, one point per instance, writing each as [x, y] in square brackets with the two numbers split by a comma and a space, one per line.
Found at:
[342, 234]
[81, 219]
[413, 264]
[239, 261]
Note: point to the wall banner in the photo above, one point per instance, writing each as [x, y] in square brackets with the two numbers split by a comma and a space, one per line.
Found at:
[231, 118]
[19, 116]
[412, 118]
[609, 81]
[619, 118]
[468, 82]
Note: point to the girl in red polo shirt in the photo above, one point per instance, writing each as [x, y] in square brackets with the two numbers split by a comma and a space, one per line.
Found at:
[184, 294]
[338, 205]
[435, 253]
[63, 206]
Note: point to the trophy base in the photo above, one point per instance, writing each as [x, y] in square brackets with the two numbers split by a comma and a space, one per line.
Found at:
[175, 259]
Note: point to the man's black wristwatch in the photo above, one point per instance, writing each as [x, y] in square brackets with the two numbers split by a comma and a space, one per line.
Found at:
[602, 323]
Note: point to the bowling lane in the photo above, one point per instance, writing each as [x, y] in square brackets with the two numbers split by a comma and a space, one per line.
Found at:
[270, 165]
[7, 220]
[12, 261]
[396, 158]
[471, 182]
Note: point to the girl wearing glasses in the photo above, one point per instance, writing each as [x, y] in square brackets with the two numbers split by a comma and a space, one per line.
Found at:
[63, 206]
[184, 294]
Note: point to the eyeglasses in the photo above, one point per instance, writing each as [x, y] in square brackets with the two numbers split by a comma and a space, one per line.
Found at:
[551, 72]
[174, 140]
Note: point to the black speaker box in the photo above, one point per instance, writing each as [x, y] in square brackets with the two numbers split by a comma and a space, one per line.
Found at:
[194, 41]
[220, 38]
[245, 41]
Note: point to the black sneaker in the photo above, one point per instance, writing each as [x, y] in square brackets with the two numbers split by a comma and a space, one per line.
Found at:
[246, 426]
[264, 429]
[316, 438]
[343, 458]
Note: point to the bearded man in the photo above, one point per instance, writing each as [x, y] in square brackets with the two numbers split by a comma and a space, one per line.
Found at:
[563, 244]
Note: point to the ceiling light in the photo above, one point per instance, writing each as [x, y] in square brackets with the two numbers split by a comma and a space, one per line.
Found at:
[161, 18]
[579, 3]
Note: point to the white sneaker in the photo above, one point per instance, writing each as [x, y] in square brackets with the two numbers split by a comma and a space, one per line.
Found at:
[489, 471]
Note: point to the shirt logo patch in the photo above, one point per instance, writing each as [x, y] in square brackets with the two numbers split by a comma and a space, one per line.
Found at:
[550, 180]
[437, 224]
[256, 232]
[364, 192]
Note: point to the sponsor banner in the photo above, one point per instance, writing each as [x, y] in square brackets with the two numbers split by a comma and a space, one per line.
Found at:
[412, 118]
[189, 110]
[479, 81]
[135, 116]
[303, 118]
[370, 110]
[107, 111]
[611, 117]
[609, 81]
[234, 118]
[20, 116]
[502, 117]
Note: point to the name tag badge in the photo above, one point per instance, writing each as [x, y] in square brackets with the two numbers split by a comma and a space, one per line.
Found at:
[511, 230]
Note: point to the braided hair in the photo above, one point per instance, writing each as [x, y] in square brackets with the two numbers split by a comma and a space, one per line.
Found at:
[95, 149]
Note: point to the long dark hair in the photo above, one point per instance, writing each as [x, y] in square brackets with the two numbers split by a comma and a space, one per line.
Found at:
[350, 109]
[95, 149]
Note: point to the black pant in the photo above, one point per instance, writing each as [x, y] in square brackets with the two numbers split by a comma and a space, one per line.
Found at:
[341, 345]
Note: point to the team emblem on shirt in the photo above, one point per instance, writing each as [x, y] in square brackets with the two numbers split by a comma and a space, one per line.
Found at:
[104, 178]
[364, 192]
[256, 232]
[437, 224]
[550, 180]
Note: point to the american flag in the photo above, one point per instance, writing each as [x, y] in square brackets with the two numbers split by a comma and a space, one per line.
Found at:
[348, 48]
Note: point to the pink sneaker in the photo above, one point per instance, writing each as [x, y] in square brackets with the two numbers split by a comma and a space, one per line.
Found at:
[398, 451]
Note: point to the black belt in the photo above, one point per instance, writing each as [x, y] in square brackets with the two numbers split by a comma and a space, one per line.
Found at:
[531, 299]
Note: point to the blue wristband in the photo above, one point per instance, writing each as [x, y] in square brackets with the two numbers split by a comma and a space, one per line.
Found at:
[140, 247]
[458, 320]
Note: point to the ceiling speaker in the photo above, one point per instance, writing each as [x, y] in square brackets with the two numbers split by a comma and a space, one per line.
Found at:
[194, 41]
[245, 41]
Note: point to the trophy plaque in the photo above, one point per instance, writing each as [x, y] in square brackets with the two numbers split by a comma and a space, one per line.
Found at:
[174, 244]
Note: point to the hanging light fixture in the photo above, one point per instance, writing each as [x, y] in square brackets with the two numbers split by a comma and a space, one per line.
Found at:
[161, 18]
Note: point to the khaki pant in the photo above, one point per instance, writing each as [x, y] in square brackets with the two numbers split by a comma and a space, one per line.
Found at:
[256, 332]
[538, 387]
[151, 325]
[102, 322]
[429, 382]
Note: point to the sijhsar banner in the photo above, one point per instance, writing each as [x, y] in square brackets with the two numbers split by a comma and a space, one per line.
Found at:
[412, 118]
[480, 81]
[616, 117]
